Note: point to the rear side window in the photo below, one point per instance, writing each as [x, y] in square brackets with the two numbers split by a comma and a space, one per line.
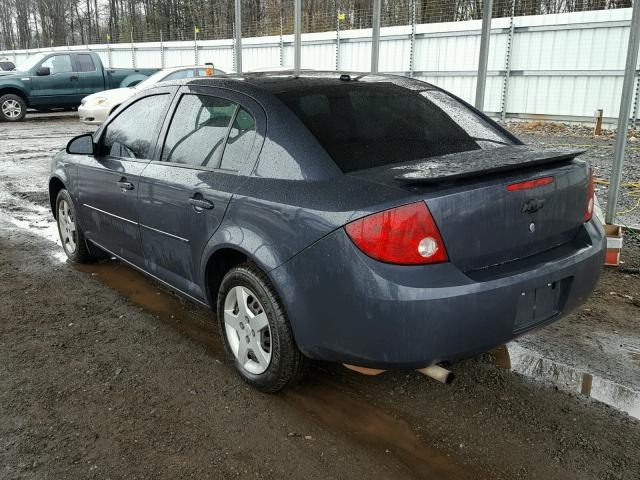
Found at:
[240, 141]
[179, 74]
[198, 131]
[85, 63]
[131, 133]
[365, 125]
[7, 66]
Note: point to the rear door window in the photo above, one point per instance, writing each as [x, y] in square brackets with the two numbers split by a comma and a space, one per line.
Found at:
[365, 125]
[85, 63]
[211, 132]
[240, 141]
[132, 132]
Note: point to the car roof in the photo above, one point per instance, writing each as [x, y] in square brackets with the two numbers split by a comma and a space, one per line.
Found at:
[187, 67]
[275, 82]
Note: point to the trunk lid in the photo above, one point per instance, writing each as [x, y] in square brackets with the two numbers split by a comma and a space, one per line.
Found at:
[485, 222]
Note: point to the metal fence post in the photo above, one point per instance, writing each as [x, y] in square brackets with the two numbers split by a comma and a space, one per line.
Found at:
[297, 40]
[412, 47]
[133, 52]
[375, 36]
[337, 39]
[109, 57]
[161, 51]
[238, 25]
[484, 53]
[507, 64]
[623, 116]
[281, 43]
[195, 45]
[636, 102]
[233, 44]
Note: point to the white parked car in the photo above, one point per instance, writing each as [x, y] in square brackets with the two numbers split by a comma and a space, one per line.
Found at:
[95, 108]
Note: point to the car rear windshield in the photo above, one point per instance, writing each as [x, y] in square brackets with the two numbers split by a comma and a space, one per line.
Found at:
[365, 125]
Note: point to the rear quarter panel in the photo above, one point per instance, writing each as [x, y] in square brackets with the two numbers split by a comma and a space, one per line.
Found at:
[272, 220]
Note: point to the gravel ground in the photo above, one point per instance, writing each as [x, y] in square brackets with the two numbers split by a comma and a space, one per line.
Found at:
[105, 374]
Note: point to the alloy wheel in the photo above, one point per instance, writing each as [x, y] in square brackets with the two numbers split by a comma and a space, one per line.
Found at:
[248, 331]
[11, 108]
[67, 227]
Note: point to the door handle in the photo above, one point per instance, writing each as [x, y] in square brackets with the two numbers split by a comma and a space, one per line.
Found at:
[73, 77]
[200, 204]
[124, 185]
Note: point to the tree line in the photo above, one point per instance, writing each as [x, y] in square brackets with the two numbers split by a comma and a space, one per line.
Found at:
[44, 23]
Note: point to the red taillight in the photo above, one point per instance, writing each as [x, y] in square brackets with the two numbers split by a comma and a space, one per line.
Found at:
[538, 182]
[588, 213]
[405, 235]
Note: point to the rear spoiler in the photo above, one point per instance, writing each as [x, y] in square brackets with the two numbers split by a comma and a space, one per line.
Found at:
[474, 163]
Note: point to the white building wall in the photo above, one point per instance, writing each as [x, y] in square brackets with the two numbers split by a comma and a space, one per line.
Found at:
[563, 65]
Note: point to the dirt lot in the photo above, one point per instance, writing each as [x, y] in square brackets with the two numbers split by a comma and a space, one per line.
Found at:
[105, 374]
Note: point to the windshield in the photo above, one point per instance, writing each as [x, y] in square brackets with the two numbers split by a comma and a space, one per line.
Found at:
[30, 62]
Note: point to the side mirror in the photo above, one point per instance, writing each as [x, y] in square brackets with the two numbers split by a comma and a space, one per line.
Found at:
[81, 145]
[43, 71]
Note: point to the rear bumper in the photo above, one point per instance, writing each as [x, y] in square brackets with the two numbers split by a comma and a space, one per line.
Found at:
[346, 307]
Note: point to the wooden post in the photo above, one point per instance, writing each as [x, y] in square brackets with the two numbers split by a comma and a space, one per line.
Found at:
[598, 130]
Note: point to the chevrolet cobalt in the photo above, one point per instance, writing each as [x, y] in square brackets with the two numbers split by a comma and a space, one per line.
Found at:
[371, 220]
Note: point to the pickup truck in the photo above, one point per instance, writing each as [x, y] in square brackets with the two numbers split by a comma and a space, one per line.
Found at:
[60, 80]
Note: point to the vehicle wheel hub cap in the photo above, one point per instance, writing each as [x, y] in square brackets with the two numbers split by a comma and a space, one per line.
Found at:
[11, 109]
[247, 329]
[67, 227]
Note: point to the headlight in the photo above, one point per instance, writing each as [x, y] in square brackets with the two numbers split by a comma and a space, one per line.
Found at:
[97, 101]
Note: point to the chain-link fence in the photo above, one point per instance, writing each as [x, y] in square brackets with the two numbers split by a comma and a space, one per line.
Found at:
[559, 68]
[211, 20]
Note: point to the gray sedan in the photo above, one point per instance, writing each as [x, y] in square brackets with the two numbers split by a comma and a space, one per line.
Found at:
[371, 220]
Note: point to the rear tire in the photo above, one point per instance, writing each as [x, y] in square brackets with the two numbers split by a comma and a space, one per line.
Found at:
[71, 235]
[12, 108]
[253, 325]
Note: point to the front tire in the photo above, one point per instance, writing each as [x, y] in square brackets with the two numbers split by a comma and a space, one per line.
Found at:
[256, 332]
[71, 235]
[12, 108]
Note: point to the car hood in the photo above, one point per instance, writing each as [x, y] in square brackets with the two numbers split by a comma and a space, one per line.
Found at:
[113, 96]
[10, 74]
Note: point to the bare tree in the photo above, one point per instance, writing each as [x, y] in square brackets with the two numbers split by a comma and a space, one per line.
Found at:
[29, 23]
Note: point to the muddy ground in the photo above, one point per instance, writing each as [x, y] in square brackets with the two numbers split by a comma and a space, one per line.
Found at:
[105, 374]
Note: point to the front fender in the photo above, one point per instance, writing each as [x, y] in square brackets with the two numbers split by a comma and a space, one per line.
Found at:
[14, 84]
[64, 170]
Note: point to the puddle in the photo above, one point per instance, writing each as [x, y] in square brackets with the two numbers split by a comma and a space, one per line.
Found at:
[189, 319]
[337, 410]
[528, 363]
[372, 426]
